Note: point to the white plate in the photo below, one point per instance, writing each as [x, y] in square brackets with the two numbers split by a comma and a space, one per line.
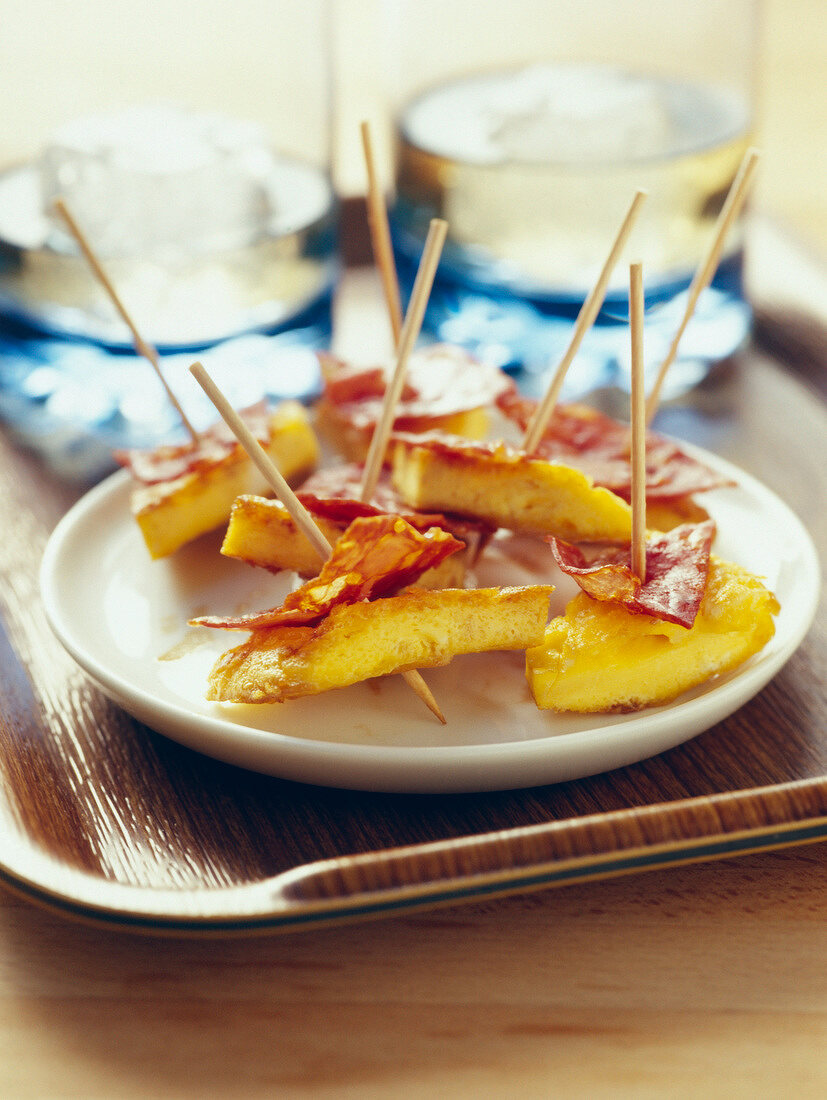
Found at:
[124, 620]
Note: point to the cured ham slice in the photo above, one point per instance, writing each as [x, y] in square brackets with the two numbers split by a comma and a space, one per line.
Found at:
[445, 389]
[599, 446]
[677, 564]
[375, 557]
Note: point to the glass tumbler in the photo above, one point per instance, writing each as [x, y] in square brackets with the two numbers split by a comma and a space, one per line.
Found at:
[197, 165]
[529, 126]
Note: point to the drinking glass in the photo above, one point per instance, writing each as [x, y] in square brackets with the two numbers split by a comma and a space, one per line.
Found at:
[198, 168]
[528, 126]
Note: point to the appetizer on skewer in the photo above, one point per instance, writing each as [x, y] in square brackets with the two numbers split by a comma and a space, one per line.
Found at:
[505, 487]
[183, 491]
[599, 446]
[623, 650]
[352, 622]
[654, 621]
[374, 556]
[262, 532]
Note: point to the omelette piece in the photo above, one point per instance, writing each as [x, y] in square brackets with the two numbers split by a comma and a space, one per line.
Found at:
[664, 515]
[416, 629]
[173, 511]
[601, 658]
[506, 488]
[262, 532]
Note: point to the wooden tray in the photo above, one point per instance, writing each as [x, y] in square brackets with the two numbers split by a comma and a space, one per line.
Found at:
[104, 819]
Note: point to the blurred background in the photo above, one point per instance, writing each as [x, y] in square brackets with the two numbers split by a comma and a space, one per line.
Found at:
[306, 74]
[60, 60]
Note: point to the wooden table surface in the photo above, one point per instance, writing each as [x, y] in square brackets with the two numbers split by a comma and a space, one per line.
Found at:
[702, 981]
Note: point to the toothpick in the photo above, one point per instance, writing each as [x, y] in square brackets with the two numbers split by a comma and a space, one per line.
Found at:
[585, 319]
[703, 276]
[410, 331]
[262, 460]
[418, 686]
[141, 346]
[300, 515]
[404, 341]
[638, 418]
[380, 236]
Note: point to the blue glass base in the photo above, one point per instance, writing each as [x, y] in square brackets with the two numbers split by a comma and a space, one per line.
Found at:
[75, 401]
[528, 335]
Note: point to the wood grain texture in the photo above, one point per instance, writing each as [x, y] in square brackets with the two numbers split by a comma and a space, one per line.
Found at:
[101, 812]
[700, 981]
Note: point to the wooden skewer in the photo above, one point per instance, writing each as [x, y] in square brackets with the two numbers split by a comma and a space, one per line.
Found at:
[404, 340]
[703, 276]
[410, 331]
[141, 346]
[267, 467]
[638, 418]
[380, 236]
[301, 517]
[585, 319]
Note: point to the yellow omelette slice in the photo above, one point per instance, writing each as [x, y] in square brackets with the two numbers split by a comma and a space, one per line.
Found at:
[506, 488]
[599, 657]
[172, 513]
[416, 629]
